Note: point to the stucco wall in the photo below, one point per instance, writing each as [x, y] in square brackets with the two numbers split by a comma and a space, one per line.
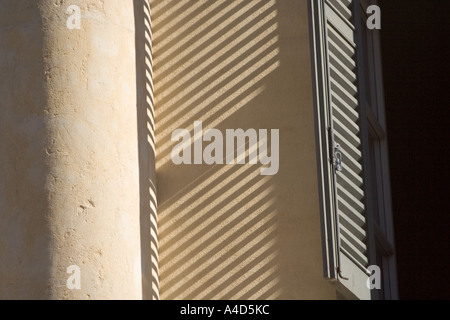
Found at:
[77, 182]
[226, 231]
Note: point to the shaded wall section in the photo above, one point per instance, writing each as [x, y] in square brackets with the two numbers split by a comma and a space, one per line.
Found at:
[146, 137]
[415, 49]
[226, 231]
[24, 168]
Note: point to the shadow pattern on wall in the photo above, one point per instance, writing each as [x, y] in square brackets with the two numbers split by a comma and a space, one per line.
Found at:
[146, 136]
[217, 224]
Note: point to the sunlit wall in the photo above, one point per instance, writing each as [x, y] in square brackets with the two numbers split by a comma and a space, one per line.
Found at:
[225, 231]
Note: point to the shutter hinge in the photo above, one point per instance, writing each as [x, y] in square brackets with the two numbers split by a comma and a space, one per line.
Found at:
[337, 157]
[339, 271]
[335, 152]
[336, 161]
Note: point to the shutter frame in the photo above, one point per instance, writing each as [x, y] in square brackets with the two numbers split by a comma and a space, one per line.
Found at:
[346, 248]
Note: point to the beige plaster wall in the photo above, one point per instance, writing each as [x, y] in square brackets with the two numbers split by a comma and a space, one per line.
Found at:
[77, 183]
[225, 231]
[69, 169]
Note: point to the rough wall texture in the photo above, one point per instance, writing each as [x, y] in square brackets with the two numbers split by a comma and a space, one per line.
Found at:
[225, 231]
[77, 185]
[69, 174]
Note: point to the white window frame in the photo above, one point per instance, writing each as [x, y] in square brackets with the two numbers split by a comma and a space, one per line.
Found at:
[376, 118]
[381, 236]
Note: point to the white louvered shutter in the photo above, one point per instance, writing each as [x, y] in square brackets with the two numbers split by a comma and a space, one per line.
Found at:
[344, 205]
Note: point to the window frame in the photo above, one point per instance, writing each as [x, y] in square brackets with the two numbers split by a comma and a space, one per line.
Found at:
[373, 122]
[376, 119]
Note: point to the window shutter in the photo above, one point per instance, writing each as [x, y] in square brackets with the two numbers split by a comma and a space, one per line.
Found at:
[344, 218]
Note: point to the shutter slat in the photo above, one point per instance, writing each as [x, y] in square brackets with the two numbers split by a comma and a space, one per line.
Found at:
[348, 109]
[354, 237]
[346, 71]
[351, 198]
[340, 91]
[345, 119]
[342, 55]
[349, 162]
[350, 211]
[343, 80]
[342, 6]
[349, 147]
[354, 175]
[343, 26]
[351, 137]
[354, 188]
[342, 44]
[354, 259]
[356, 254]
